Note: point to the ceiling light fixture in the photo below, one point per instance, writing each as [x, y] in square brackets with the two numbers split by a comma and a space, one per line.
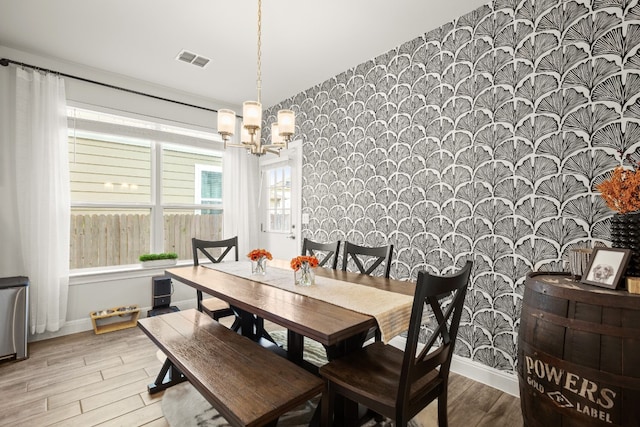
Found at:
[281, 131]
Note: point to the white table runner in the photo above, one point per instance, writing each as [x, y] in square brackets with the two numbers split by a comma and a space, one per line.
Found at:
[391, 310]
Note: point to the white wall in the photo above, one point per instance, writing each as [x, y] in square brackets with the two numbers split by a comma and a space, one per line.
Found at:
[132, 285]
[90, 292]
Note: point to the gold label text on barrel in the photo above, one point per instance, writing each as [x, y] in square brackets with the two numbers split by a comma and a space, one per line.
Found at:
[571, 390]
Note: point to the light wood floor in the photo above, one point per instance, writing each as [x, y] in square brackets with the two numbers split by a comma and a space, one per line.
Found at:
[86, 379]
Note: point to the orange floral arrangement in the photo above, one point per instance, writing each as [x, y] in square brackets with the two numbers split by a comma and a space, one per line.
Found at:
[297, 262]
[621, 191]
[256, 254]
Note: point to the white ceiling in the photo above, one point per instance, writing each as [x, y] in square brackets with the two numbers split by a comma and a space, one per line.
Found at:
[304, 42]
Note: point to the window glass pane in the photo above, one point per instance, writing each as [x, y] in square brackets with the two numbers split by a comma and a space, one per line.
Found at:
[181, 225]
[103, 237]
[183, 170]
[211, 190]
[279, 193]
[107, 169]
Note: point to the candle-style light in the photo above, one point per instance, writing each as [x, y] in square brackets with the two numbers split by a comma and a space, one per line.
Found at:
[281, 132]
[226, 124]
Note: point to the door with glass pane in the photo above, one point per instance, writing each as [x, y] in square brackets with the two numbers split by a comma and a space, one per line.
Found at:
[280, 203]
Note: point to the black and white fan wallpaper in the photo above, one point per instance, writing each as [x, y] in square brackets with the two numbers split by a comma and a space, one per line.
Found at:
[484, 140]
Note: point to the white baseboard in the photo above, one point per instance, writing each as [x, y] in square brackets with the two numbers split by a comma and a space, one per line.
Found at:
[502, 380]
[82, 325]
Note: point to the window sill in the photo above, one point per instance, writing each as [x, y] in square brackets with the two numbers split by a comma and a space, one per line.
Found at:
[106, 274]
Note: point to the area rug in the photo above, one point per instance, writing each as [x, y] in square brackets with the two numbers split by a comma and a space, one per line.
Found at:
[184, 406]
[313, 351]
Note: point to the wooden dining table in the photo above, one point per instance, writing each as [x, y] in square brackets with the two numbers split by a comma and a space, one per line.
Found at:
[339, 329]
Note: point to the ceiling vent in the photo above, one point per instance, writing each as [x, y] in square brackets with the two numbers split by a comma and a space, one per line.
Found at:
[192, 58]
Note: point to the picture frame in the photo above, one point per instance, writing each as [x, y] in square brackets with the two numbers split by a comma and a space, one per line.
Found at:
[606, 267]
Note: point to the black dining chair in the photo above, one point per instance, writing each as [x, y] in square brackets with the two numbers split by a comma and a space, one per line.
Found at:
[214, 307]
[399, 384]
[327, 253]
[363, 255]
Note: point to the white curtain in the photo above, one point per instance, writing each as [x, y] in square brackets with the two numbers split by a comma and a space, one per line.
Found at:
[42, 193]
[240, 192]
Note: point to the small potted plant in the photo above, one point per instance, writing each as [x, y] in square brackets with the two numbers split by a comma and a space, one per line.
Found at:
[159, 260]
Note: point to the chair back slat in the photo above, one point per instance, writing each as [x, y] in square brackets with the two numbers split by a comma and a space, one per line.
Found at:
[327, 253]
[432, 291]
[204, 246]
[380, 254]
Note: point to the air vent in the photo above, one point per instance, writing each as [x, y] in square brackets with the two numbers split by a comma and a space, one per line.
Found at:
[192, 58]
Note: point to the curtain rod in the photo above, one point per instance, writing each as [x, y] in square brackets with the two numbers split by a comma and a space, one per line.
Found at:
[5, 63]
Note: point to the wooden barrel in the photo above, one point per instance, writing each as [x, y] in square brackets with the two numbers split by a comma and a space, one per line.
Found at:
[578, 354]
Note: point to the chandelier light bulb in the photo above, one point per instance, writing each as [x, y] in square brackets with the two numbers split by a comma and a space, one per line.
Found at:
[286, 122]
[276, 137]
[245, 138]
[252, 114]
[245, 135]
[226, 122]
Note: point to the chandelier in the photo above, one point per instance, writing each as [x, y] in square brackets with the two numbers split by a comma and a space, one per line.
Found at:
[281, 131]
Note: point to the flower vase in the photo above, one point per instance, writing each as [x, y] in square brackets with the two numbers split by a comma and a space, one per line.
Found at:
[625, 233]
[259, 266]
[305, 275]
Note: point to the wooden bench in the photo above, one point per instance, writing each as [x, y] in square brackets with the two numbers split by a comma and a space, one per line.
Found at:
[247, 384]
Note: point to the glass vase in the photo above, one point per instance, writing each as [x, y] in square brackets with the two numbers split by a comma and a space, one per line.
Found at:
[305, 275]
[259, 266]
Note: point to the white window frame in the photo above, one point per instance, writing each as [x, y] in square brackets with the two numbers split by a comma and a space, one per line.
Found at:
[158, 134]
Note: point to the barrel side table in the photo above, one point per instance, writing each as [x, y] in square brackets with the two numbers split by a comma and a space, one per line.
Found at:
[578, 354]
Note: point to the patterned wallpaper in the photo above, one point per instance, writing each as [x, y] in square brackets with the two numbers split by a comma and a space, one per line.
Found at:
[482, 139]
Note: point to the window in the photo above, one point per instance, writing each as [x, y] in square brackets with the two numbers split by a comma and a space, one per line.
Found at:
[279, 199]
[139, 187]
[208, 185]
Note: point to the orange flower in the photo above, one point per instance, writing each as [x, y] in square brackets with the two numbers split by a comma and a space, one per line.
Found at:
[621, 191]
[256, 254]
[297, 262]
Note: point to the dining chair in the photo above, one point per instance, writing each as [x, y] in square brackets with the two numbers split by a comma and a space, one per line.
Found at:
[399, 384]
[214, 307]
[357, 253]
[328, 252]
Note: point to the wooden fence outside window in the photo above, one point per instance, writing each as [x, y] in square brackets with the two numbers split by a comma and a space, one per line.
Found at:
[99, 240]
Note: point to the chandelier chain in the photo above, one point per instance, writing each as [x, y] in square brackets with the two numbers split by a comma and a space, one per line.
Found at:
[259, 80]
[250, 139]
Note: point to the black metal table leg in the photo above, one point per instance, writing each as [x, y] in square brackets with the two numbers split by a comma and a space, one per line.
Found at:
[295, 347]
